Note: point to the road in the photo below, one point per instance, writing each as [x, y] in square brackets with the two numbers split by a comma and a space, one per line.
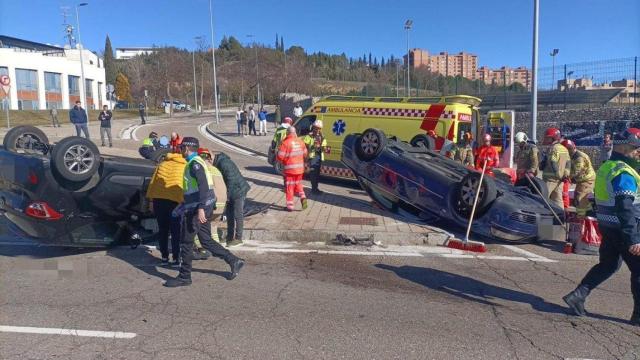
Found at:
[296, 305]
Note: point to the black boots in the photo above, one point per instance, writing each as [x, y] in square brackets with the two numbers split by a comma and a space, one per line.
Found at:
[177, 281]
[235, 263]
[576, 298]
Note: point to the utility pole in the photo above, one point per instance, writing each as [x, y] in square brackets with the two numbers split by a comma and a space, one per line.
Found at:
[213, 58]
[534, 72]
[407, 26]
[553, 54]
[195, 83]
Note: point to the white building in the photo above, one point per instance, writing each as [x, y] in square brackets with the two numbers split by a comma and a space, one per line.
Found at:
[44, 76]
[128, 53]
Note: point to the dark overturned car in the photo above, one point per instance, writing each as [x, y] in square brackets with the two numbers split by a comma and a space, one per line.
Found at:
[69, 194]
[415, 181]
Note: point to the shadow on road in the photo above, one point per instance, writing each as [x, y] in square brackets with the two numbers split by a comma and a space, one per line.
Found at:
[477, 291]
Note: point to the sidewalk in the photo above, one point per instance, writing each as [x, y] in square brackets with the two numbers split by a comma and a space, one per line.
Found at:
[344, 209]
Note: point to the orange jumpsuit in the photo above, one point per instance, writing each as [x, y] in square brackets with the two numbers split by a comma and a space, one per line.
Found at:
[291, 154]
[489, 153]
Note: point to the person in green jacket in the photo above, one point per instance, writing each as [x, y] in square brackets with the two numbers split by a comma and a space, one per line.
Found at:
[316, 147]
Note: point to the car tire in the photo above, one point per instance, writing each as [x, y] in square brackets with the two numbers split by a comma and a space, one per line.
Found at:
[19, 137]
[537, 182]
[370, 144]
[75, 159]
[424, 141]
[159, 155]
[466, 190]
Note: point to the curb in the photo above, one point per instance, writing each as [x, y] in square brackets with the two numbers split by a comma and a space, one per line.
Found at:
[245, 148]
[329, 236]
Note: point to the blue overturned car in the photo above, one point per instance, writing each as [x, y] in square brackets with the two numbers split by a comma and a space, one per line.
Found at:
[413, 180]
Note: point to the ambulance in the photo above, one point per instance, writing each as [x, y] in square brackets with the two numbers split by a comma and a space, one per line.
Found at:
[409, 119]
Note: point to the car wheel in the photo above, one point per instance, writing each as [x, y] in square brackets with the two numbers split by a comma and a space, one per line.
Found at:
[26, 139]
[370, 144]
[75, 158]
[159, 155]
[540, 185]
[424, 141]
[466, 193]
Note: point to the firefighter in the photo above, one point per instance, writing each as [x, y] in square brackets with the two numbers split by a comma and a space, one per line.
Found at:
[464, 152]
[487, 153]
[617, 193]
[291, 154]
[526, 159]
[196, 213]
[583, 175]
[316, 147]
[556, 166]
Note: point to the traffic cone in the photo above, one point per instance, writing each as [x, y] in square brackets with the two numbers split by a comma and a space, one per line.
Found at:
[568, 248]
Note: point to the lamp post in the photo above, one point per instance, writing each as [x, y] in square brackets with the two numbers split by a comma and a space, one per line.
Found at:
[407, 26]
[553, 54]
[195, 83]
[83, 91]
[213, 58]
[534, 72]
[255, 46]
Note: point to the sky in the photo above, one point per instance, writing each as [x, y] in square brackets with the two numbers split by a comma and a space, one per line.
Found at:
[498, 31]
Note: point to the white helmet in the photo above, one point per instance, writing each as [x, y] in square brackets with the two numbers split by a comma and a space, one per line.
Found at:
[317, 124]
[521, 137]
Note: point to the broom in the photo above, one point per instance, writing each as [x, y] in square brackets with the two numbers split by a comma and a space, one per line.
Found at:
[466, 244]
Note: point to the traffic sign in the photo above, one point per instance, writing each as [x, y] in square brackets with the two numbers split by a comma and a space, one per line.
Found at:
[5, 82]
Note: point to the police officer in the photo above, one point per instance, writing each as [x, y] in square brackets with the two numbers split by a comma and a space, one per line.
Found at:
[526, 159]
[583, 175]
[149, 145]
[196, 212]
[617, 195]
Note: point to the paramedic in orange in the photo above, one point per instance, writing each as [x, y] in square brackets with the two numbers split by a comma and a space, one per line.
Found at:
[487, 153]
[292, 154]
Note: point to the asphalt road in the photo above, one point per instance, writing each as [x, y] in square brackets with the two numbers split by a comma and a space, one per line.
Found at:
[296, 305]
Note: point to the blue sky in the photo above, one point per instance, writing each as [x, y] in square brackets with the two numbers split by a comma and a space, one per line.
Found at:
[498, 31]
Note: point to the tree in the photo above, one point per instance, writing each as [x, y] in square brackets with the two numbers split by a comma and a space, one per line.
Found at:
[370, 62]
[123, 89]
[277, 44]
[281, 44]
[110, 68]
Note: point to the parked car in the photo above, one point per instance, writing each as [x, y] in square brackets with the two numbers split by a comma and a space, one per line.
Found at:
[415, 180]
[122, 105]
[69, 194]
[176, 105]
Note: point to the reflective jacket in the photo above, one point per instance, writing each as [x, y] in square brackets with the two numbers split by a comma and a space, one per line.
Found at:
[194, 193]
[279, 136]
[219, 188]
[489, 153]
[316, 145]
[527, 159]
[618, 202]
[464, 155]
[292, 154]
[581, 168]
[558, 163]
[175, 144]
[168, 179]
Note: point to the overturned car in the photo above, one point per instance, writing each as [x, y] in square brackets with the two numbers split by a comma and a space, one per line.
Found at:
[69, 194]
[412, 179]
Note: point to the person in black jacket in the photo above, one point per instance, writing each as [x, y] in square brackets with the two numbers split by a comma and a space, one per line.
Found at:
[237, 189]
[78, 117]
[105, 124]
[196, 213]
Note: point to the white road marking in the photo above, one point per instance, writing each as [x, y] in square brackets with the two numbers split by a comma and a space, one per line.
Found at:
[203, 130]
[128, 132]
[526, 253]
[70, 332]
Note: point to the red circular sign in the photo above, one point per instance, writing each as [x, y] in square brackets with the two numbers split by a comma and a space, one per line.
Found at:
[4, 80]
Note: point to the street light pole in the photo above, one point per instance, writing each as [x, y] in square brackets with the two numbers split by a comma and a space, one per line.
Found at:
[82, 87]
[553, 54]
[534, 72]
[407, 26]
[213, 58]
[255, 46]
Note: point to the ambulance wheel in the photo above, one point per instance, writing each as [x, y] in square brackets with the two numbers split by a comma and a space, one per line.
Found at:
[422, 140]
[370, 144]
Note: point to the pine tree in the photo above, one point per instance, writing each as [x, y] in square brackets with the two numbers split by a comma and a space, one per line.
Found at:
[281, 44]
[277, 44]
[110, 68]
[123, 89]
[382, 62]
[370, 62]
[375, 61]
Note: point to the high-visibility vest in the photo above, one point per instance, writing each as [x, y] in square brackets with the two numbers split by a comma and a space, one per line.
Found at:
[291, 154]
[310, 141]
[581, 168]
[219, 187]
[147, 142]
[606, 197]
[190, 183]
[279, 136]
